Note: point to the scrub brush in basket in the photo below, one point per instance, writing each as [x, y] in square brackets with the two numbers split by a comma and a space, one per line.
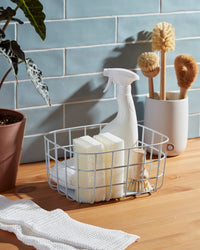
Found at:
[149, 64]
[137, 179]
[186, 71]
[163, 39]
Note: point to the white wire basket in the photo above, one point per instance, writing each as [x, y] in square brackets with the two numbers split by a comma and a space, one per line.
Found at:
[98, 183]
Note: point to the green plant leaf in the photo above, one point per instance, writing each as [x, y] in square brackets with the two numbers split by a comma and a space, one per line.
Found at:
[17, 50]
[36, 77]
[5, 14]
[2, 35]
[33, 11]
[7, 51]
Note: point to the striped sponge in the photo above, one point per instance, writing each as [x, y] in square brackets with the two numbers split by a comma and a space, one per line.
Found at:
[113, 160]
[86, 162]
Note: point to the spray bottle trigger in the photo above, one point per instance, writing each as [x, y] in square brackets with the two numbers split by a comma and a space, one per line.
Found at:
[108, 85]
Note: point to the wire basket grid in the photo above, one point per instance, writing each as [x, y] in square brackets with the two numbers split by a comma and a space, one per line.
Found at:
[65, 175]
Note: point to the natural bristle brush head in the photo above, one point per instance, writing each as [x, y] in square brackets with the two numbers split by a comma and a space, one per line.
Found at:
[149, 64]
[163, 37]
[186, 70]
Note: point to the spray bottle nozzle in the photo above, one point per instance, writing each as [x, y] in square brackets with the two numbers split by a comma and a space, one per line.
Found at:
[124, 77]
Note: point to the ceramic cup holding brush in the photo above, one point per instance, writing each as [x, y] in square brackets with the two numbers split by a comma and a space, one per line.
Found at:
[169, 117]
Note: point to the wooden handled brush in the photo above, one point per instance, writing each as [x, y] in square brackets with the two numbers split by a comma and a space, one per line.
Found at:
[163, 39]
[137, 174]
[186, 71]
[149, 64]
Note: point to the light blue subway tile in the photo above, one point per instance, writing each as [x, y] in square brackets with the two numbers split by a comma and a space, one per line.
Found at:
[95, 59]
[139, 27]
[141, 86]
[92, 8]
[28, 96]
[5, 66]
[87, 60]
[44, 119]
[9, 32]
[78, 88]
[194, 126]
[139, 107]
[78, 114]
[194, 101]
[52, 9]
[7, 96]
[65, 89]
[33, 149]
[69, 33]
[179, 5]
[187, 46]
[50, 62]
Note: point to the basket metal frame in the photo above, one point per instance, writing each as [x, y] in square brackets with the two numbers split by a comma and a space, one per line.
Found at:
[53, 160]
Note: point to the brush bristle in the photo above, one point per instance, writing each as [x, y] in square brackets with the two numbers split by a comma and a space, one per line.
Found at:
[148, 61]
[186, 70]
[139, 186]
[163, 37]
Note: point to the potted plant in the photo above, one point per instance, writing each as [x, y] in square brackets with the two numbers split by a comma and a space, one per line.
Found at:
[12, 122]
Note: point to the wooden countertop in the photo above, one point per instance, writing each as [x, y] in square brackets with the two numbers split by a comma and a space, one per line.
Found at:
[167, 219]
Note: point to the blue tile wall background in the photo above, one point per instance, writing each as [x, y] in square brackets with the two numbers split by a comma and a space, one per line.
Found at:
[83, 37]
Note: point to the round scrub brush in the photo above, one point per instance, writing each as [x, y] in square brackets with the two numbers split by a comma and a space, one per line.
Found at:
[186, 71]
[139, 184]
[149, 64]
[163, 39]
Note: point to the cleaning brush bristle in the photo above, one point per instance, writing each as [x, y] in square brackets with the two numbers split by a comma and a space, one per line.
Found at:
[186, 70]
[163, 37]
[139, 186]
[148, 61]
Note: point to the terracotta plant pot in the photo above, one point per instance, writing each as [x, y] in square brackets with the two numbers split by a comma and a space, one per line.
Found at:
[11, 139]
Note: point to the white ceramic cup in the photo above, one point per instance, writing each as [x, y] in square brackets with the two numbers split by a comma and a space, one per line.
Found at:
[170, 118]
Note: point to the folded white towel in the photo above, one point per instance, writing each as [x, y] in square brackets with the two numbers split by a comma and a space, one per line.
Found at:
[62, 173]
[55, 229]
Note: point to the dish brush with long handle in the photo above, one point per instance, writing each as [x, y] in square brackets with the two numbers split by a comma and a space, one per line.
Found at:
[163, 40]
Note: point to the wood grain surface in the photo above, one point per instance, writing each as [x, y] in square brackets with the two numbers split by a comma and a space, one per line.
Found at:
[166, 219]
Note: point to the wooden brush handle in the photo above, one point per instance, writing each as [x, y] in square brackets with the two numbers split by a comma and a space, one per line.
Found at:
[163, 76]
[151, 89]
[183, 93]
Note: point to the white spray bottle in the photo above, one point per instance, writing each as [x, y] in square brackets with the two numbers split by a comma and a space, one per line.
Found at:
[125, 124]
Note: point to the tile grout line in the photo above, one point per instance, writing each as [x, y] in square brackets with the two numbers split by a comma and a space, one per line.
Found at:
[118, 15]
[116, 30]
[65, 9]
[64, 107]
[64, 62]
[160, 3]
[105, 44]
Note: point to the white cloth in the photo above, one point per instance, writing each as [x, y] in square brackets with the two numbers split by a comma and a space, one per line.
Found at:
[55, 229]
